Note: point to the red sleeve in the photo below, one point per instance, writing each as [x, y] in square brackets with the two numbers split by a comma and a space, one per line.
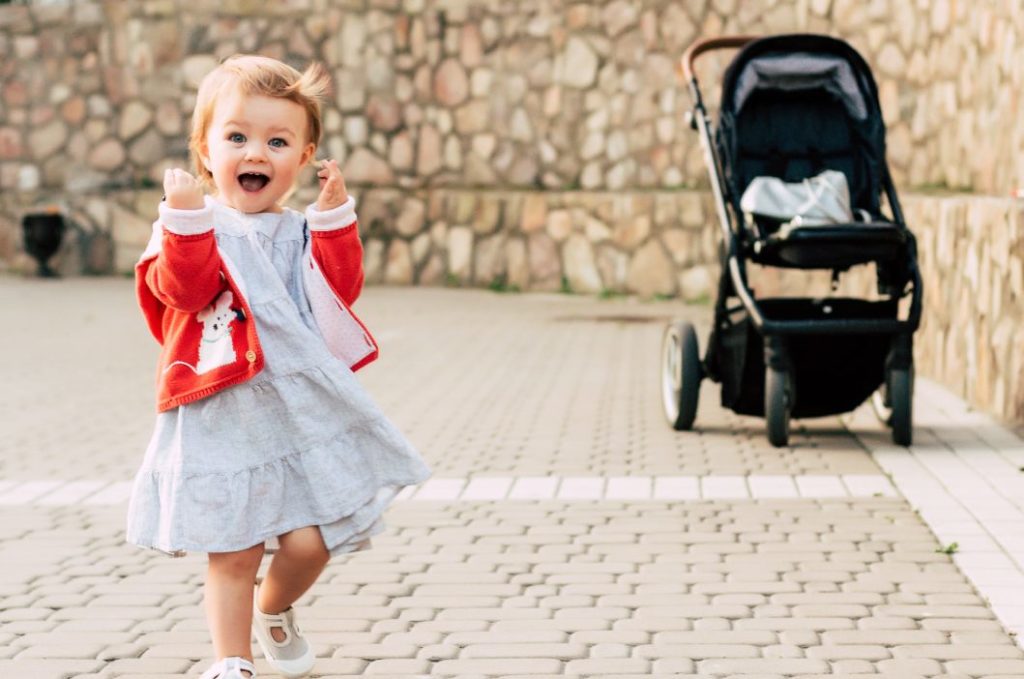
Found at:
[186, 273]
[339, 252]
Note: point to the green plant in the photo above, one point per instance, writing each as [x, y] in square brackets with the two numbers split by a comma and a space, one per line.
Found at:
[452, 281]
[941, 187]
[500, 284]
[566, 289]
[951, 548]
[608, 293]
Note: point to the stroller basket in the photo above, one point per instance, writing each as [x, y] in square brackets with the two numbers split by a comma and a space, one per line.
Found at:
[833, 373]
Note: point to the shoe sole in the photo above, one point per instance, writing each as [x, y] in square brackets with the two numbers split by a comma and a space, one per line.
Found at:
[292, 669]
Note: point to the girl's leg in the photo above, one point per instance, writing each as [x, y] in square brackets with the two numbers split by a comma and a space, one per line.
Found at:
[297, 564]
[229, 580]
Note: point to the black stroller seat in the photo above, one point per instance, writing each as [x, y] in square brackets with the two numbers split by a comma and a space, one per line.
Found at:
[836, 246]
[793, 135]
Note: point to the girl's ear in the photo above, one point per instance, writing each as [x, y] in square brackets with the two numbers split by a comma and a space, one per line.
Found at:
[307, 153]
[204, 155]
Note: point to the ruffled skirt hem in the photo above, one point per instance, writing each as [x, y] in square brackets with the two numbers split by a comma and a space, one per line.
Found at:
[342, 534]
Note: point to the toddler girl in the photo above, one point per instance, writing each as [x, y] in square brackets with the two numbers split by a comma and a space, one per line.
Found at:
[262, 432]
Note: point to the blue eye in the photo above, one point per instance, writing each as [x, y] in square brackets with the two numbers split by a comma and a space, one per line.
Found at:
[236, 138]
[278, 143]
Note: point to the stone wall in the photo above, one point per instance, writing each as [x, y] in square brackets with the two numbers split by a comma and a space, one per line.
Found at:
[972, 335]
[535, 94]
[533, 145]
[654, 243]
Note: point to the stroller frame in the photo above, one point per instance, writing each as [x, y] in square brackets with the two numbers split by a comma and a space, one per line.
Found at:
[782, 322]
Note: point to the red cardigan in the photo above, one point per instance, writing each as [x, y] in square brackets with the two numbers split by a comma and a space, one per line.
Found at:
[194, 304]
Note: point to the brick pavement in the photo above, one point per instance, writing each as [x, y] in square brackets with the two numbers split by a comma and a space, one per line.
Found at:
[838, 577]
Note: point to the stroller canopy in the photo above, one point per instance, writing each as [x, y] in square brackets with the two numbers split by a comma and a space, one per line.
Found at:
[795, 105]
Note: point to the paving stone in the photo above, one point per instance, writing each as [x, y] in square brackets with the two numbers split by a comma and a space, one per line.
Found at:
[888, 637]
[985, 667]
[61, 650]
[47, 668]
[397, 667]
[849, 651]
[436, 652]
[503, 666]
[684, 650]
[903, 666]
[764, 666]
[958, 651]
[147, 666]
[376, 651]
[524, 650]
[180, 650]
[608, 666]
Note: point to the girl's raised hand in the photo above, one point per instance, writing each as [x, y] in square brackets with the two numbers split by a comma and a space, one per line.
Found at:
[332, 186]
[182, 190]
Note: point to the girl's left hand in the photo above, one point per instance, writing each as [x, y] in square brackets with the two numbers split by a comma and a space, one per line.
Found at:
[332, 186]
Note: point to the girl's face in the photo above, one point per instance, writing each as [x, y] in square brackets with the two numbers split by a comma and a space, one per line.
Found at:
[255, 147]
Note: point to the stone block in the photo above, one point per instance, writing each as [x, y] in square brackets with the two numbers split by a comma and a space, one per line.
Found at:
[577, 65]
[451, 83]
[398, 268]
[412, 218]
[108, 155]
[195, 67]
[363, 166]
[428, 151]
[579, 265]
[650, 271]
[147, 149]
[460, 252]
[516, 264]
[559, 224]
[544, 261]
[489, 260]
[135, 117]
[47, 139]
[373, 260]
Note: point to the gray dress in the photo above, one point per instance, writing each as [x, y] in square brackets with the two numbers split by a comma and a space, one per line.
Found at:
[301, 444]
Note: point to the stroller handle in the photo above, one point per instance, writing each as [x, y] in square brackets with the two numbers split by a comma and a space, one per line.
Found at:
[708, 45]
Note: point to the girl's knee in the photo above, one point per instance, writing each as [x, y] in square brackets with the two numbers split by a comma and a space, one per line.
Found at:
[243, 563]
[305, 544]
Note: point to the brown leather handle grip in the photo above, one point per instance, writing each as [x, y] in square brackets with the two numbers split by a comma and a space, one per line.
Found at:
[708, 45]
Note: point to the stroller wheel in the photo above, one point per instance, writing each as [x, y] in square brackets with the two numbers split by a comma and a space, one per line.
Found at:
[778, 401]
[901, 399]
[681, 373]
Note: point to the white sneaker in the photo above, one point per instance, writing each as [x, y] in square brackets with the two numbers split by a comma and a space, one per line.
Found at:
[230, 668]
[293, 657]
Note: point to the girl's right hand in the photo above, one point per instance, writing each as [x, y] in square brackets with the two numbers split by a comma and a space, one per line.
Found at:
[182, 190]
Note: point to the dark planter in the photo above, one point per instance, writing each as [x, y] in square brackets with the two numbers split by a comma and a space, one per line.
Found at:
[43, 232]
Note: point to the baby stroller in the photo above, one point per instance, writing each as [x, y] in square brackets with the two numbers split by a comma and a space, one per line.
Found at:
[792, 107]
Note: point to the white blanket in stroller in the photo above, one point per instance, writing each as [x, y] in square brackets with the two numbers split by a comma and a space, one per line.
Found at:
[821, 200]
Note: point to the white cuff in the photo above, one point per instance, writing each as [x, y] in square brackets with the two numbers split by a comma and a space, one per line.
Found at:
[187, 222]
[335, 218]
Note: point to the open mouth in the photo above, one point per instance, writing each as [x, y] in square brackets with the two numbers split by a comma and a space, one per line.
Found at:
[253, 181]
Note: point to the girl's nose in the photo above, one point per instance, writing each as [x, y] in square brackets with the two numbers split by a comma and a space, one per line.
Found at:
[254, 152]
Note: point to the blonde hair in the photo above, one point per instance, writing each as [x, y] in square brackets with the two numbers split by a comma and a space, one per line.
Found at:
[255, 75]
